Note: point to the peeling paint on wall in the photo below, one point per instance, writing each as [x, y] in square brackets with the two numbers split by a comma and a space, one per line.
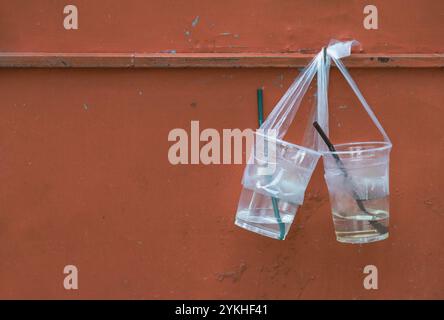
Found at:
[195, 22]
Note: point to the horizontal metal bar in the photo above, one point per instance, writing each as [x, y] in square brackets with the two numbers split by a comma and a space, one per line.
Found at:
[208, 60]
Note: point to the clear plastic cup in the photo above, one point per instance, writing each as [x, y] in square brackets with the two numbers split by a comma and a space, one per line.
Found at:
[274, 186]
[357, 176]
[257, 213]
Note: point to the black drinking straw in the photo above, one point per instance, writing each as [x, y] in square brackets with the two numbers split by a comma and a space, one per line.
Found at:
[274, 201]
[375, 224]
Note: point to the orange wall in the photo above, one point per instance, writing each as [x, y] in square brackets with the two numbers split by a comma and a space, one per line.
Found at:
[405, 26]
[85, 178]
[94, 188]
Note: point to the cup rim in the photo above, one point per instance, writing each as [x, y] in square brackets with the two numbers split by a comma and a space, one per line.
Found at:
[290, 144]
[384, 145]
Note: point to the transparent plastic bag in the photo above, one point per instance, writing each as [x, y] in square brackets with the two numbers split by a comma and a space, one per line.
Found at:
[278, 172]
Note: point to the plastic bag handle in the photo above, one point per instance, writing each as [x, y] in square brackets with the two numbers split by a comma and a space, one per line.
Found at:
[285, 110]
[322, 97]
[361, 98]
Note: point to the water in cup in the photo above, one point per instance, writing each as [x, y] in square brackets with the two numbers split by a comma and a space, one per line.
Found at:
[353, 225]
[265, 226]
[257, 213]
[358, 184]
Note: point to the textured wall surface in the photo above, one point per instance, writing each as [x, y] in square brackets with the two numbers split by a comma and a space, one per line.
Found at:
[406, 26]
[84, 171]
[85, 180]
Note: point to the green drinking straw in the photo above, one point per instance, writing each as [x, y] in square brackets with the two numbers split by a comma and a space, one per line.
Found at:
[274, 201]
